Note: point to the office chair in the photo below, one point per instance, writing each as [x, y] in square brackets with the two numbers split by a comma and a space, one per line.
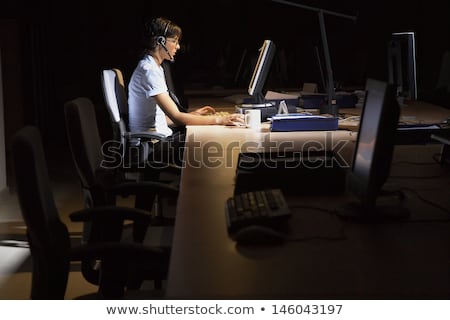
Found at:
[103, 183]
[174, 93]
[135, 146]
[49, 239]
[135, 158]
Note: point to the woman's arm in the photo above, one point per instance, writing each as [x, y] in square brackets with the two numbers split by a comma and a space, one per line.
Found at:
[205, 110]
[181, 118]
[202, 111]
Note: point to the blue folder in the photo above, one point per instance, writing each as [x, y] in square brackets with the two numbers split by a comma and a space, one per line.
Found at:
[303, 122]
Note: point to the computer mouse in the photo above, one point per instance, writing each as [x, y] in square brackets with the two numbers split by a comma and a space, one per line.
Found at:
[258, 235]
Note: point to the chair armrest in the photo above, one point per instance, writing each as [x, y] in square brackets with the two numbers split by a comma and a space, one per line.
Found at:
[120, 251]
[159, 165]
[109, 221]
[105, 213]
[145, 192]
[143, 188]
[144, 135]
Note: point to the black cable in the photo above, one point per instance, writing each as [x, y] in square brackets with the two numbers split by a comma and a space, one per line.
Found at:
[429, 202]
[400, 193]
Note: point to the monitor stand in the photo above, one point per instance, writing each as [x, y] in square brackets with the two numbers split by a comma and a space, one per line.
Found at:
[330, 107]
[268, 109]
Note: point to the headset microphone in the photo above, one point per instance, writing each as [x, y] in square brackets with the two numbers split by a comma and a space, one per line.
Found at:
[162, 42]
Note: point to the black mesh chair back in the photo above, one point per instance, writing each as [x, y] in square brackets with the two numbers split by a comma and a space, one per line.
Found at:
[88, 152]
[48, 237]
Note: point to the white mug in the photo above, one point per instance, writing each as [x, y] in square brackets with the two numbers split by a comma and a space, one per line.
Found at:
[252, 118]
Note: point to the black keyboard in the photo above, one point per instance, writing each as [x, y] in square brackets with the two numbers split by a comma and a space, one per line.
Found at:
[263, 207]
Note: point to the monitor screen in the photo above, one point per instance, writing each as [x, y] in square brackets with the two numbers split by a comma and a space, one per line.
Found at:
[261, 71]
[402, 64]
[373, 153]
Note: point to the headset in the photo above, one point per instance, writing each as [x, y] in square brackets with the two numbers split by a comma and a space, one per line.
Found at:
[161, 40]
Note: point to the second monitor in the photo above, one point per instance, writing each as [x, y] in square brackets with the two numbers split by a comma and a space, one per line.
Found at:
[258, 81]
[261, 72]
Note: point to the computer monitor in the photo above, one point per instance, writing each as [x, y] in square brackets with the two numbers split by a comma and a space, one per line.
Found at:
[372, 156]
[402, 64]
[261, 71]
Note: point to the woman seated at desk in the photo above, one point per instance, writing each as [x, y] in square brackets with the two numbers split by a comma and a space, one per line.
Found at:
[151, 107]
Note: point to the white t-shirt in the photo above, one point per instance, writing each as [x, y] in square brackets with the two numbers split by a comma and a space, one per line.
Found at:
[147, 81]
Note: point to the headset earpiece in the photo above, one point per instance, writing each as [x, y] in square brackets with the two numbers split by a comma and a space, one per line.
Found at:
[161, 40]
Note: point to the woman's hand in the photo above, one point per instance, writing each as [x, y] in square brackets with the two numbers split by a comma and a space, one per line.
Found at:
[235, 119]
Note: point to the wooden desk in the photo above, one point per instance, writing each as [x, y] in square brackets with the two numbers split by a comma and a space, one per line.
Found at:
[357, 261]
[412, 111]
[415, 112]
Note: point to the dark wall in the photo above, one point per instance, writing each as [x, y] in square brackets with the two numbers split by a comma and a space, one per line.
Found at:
[65, 45]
